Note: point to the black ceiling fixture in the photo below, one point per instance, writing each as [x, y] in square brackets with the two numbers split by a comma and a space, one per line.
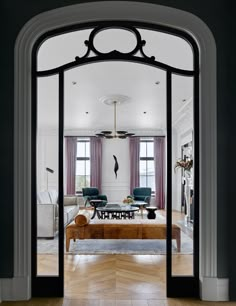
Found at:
[115, 133]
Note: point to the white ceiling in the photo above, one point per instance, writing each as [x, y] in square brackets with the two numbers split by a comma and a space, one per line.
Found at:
[84, 113]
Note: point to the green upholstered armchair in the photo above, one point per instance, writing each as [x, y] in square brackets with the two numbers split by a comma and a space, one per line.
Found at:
[92, 193]
[142, 194]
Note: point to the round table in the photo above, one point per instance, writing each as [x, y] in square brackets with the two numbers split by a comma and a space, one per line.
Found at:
[119, 212]
[95, 204]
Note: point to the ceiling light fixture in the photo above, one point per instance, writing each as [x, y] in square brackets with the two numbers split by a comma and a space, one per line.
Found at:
[114, 133]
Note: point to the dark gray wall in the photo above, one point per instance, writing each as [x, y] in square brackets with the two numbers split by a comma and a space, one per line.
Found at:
[230, 160]
[216, 14]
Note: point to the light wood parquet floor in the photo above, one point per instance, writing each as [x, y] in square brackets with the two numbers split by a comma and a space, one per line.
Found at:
[116, 280]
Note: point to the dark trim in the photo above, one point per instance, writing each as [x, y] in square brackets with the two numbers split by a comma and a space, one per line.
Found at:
[196, 169]
[169, 183]
[82, 140]
[176, 286]
[34, 284]
[111, 57]
[140, 136]
[61, 184]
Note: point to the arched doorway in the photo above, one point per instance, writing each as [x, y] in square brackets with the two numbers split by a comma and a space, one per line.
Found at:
[176, 285]
[207, 177]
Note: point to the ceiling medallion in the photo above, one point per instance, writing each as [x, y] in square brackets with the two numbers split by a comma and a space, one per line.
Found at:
[114, 100]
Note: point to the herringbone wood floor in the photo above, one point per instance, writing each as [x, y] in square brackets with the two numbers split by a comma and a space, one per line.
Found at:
[121, 280]
[115, 280]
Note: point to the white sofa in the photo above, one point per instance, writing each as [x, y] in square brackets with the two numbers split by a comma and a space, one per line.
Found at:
[47, 212]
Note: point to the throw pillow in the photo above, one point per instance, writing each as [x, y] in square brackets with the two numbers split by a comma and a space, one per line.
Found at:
[82, 218]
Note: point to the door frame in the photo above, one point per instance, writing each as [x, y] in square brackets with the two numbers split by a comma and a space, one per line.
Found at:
[176, 285]
[19, 287]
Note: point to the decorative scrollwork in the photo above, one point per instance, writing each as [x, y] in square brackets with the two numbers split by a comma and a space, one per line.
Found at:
[114, 53]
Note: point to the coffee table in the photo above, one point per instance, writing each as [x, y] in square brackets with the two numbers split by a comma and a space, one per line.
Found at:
[95, 204]
[141, 205]
[116, 211]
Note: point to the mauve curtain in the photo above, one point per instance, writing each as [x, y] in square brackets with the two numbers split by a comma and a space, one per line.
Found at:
[71, 152]
[134, 150]
[159, 160]
[96, 162]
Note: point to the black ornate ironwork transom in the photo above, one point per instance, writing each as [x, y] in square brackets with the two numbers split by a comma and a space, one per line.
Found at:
[92, 54]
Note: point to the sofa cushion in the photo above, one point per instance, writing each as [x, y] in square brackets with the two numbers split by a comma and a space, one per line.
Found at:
[43, 197]
[65, 217]
[70, 200]
[53, 196]
[71, 212]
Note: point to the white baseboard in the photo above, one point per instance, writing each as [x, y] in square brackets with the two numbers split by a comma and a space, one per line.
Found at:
[15, 289]
[215, 289]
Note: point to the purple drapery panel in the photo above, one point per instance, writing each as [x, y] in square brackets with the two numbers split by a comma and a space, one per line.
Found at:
[159, 160]
[134, 149]
[71, 152]
[96, 162]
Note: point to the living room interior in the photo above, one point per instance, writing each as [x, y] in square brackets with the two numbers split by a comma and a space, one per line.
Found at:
[140, 93]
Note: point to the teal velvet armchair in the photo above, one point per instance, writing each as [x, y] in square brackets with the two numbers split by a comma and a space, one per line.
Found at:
[92, 193]
[142, 194]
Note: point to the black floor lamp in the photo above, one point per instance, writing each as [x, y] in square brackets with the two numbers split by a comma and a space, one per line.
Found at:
[51, 171]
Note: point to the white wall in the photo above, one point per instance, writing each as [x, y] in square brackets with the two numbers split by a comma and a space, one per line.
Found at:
[47, 157]
[116, 189]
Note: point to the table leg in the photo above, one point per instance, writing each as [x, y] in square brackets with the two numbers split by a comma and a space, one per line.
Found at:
[141, 207]
[94, 212]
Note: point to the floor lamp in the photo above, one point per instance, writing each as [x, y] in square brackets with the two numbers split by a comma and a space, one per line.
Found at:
[51, 171]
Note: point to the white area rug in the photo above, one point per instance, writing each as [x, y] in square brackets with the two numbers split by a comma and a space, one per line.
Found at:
[128, 246]
[117, 246]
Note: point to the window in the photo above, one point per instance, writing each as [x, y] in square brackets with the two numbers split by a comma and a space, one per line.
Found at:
[82, 165]
[146, 164]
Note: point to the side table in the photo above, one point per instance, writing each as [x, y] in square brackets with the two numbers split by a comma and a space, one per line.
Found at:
[151, 212]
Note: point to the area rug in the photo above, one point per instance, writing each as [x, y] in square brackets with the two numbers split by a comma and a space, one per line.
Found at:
[116, 246]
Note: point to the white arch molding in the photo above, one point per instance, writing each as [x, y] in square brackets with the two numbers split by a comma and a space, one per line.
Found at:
[19, 287]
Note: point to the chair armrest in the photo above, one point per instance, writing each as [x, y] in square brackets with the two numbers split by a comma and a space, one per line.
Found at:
[87, 200]
[102, 197]
[147, 199]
